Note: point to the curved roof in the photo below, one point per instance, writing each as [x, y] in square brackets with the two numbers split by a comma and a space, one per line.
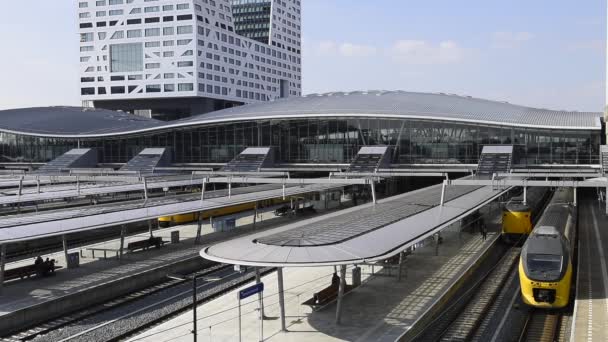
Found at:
[395, 104]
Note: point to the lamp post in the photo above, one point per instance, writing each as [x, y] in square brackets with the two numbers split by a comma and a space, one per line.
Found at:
[194, 278]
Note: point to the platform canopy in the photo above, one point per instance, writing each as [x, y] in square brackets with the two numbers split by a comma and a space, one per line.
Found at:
[365, 233]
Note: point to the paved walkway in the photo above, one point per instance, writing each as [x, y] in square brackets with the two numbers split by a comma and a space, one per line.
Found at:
[591, 320]
[380, 310]
[19, 294]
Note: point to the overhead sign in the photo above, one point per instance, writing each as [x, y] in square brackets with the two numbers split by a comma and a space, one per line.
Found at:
[251, 290]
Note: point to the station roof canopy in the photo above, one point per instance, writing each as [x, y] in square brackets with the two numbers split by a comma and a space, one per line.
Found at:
[50, 121]
[356, 235]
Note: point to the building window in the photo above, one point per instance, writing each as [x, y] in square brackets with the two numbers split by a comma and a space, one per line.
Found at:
[153, 88]
[83, 4]
[152, 65]
[184, 64]
[87, 91]
[133, 33]
[86, 37]
[167, 31]
[126, 57]
[184, 29]
[151, 9]
[169, 88]
[185, 87]
[152, 32]
[116, 2]
[117, 90]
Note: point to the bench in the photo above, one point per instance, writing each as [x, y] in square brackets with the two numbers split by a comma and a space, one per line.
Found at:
[28, 271]
[326, 296]
[145, 244]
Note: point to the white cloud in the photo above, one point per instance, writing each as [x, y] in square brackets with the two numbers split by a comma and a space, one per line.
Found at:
[354, 50]
[509, 40]
[420, 52]
[331, 48]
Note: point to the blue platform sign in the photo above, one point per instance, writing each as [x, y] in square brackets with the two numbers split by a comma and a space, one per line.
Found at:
[251, 290]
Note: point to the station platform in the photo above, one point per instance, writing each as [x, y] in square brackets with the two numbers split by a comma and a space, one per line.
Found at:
[381, 309]
[21, 295]
[590, 321]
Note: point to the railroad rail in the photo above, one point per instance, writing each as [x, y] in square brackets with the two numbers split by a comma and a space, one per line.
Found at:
[79, 316]
[541, 326]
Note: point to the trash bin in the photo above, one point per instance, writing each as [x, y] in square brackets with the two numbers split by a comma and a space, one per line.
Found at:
[73, 260]
[175, 236]
[356, 276]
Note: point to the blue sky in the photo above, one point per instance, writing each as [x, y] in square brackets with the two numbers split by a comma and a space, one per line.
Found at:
[540, 53]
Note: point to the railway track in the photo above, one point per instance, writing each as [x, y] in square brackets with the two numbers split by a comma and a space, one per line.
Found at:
[465, 325]
[541, 326]
[47, 327]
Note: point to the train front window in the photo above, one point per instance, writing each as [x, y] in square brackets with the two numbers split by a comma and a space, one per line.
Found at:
[548, 264]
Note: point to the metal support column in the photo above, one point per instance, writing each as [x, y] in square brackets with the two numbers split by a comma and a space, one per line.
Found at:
[38, 184]
[400, 265]
[78, 185]
[281, 298]
[123, 231]
[203, 190]
[525, 195]
[150, 224]
[199, 228]
[255, 214]
[575, 199]
[341, 293]
[2, 263]
[373, 184]
[442, 192]
[64, 239]
[145, 189]
[20, 185]
[258, 279]
[283, 191]
[194, 334]
[229, 189]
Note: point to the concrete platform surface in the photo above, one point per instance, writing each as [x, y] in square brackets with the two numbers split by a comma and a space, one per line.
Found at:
[380, 310]
[591, 307]
[19, 294]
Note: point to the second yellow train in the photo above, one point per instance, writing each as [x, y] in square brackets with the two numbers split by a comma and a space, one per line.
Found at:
[518, 217]
[167, 221]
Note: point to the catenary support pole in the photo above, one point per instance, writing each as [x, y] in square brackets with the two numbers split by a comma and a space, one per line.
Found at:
[442, 193]
[123, 231]
[281, 298]
[64, 239]
[341, 293]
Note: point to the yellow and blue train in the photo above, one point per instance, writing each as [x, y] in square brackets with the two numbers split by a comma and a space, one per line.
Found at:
[167, 221]
[518, 217]
[545, 266]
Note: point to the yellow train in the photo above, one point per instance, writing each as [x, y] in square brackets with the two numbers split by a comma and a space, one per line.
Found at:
[545, 266]
[167, 221]
[518, 218]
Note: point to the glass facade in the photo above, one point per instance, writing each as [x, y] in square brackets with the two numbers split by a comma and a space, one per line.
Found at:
[126, 57]
[252, 19]
[326, 140]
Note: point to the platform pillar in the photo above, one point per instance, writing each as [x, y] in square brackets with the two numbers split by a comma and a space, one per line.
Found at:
[255, 214]
[373, 184]
[575, 200]
[2, 263]
[258, 279]
[400, 264]
[281, 298]
[442, 193]
[341, 293]
[64, 239]
[123, 231]
[199, 228]
[150, 224]
[525, 195]
[229, 189]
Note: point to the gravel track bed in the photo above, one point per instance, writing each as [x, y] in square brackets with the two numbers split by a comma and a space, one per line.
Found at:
[137, 321]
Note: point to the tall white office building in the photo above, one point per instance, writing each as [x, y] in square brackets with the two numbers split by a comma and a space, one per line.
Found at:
[174, 58]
